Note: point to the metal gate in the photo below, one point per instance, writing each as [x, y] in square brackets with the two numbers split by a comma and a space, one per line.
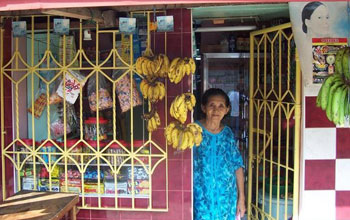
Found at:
[274, 125]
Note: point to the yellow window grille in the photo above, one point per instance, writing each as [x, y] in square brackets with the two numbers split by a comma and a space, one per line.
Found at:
[110, 158]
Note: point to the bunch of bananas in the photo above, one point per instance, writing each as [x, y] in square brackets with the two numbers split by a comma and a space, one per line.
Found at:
[153, 67]
[182, 137]
[180, 105]
[153, 120]
[333, 96]
[153, 91]
[180, 67]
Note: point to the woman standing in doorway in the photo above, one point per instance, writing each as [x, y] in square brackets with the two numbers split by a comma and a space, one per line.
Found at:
[218, 166]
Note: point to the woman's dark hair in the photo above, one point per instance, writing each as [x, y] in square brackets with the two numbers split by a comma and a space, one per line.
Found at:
[308, 10]
[214, 92]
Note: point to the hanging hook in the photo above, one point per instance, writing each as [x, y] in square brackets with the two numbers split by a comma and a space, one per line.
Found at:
[154, 13]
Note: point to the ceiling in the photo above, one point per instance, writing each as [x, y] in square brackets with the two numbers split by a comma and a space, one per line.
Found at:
[262, 12]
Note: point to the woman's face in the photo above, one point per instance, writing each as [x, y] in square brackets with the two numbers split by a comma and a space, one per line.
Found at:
[318, 25]
[216, 108]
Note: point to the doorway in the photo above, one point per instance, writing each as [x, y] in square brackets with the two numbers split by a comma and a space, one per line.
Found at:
[261, 66]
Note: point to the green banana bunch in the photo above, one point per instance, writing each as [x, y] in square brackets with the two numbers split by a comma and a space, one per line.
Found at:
[334, 95]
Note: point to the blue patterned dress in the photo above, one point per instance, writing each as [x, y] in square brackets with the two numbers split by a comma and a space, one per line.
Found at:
[215, 162]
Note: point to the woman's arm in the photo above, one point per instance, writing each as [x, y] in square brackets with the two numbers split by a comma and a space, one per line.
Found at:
[241, 197]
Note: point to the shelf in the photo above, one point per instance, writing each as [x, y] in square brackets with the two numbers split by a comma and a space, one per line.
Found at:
[113, 195]
[91, 164]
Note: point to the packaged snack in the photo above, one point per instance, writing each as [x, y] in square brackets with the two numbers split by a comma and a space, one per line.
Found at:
[55, 98]
[123, 91]
[73, 82]
[104, 99]
[39, 104]
[57, 126]
[24, 150]
[93, 188]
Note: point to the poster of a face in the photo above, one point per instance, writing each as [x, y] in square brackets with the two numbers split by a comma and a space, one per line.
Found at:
[312, 20]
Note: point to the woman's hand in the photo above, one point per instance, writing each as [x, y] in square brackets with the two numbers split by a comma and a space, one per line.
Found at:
[241, 207]
[241, 196]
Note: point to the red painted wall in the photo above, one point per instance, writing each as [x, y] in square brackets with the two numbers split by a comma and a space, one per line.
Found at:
[7, 106]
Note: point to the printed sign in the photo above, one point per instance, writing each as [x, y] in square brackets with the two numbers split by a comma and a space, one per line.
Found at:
[127, 25]
[19, 28]
[323, 54]
[313, 20]
[61, 26]
[165, 23]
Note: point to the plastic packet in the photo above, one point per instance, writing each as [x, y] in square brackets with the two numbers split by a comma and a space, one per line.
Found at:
[123, 91]
[73, 82]
[39, 104]
[104, 99]
[57, 126]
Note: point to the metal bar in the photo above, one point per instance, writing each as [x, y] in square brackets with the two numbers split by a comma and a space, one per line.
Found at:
[251, 125]
[297, 131]
[3, 170]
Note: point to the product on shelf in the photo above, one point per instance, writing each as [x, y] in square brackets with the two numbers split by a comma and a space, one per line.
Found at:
[93, 188]
[122, 187]
[141, 187]
[90, 129]
[139, 173]
[88, 150]
[27, 172]
[48, 147]
[43, 185]
[115, 148]
[24, 150]
[28, 183]
[74, 151]
[73, 181]
[91, 175]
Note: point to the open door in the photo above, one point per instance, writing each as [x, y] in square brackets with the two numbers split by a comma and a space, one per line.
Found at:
[274, 125]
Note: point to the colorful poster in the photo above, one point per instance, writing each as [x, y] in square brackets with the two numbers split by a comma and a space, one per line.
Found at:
[312, 20]
[323, 57]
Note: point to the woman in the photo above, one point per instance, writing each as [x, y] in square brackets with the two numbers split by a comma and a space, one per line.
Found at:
[315, 19]
[218, 165]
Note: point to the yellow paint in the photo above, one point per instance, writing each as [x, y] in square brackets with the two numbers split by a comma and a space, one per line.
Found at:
[273, 143]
